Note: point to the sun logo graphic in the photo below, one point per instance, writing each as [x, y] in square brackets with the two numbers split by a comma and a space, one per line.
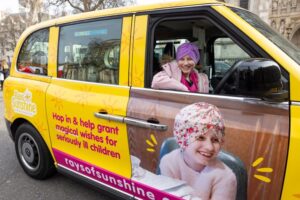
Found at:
[22, 103]
[152, 143]
[263, 170]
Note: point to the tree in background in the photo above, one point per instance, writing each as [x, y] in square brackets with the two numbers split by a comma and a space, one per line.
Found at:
[34, 11]
[79, 6]
[13, 25]
[11, 28]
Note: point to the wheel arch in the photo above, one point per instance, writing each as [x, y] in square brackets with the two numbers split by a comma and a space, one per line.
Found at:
[46, 138]
[17, 122]
[48, 166]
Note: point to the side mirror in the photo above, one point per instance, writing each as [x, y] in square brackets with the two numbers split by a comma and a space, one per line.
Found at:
[259, 77]
[254, 77]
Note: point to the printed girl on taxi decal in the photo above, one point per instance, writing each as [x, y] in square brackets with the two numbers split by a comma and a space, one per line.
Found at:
[199, 131]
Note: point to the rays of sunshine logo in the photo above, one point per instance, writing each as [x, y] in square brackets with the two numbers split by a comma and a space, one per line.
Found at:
[22, 103]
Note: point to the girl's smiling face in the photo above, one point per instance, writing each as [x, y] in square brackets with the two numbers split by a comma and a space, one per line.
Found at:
[199, 153]
[186, 64]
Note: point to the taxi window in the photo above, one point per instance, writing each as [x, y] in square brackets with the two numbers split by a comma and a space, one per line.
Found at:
[221, 54]
[226, 53]
[33, 57]
[218, 52]
[90, 51]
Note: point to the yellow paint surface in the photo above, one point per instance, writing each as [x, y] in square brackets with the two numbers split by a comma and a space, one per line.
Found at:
[292, 176]
[53, 45]
[71, 108]
[124, 52]
[139, 51]
[25, 99]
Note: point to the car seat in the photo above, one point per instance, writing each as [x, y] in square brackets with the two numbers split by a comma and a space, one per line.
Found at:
[169, 49]
[232, 161]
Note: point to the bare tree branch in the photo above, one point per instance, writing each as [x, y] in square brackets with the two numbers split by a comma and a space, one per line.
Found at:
[91, 5]
[74, 6]
[97, 5]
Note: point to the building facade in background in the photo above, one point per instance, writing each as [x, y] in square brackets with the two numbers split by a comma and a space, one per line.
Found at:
[281, 15]
[285, 17]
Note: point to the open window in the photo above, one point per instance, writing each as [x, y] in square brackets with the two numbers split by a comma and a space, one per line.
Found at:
[223, 51]
[218, 52]
[171, 33]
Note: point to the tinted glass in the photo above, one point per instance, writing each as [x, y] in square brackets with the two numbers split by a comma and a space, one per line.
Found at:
[226, 53]
[90, 51]
[33, 57]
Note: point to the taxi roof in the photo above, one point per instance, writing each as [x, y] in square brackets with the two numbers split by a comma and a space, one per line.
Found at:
[122, 11]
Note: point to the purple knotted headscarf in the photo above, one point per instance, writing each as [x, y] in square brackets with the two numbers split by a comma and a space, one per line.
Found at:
[188, 49]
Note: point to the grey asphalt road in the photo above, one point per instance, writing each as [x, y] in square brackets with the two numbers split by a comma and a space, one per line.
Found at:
[16, 185]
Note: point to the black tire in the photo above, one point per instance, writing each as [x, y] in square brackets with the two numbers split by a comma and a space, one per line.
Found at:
[32, 153]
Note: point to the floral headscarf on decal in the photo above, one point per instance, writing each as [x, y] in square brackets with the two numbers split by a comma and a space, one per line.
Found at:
[195, 120]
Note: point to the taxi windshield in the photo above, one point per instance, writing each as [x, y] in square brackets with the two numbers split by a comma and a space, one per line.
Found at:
[267, 31]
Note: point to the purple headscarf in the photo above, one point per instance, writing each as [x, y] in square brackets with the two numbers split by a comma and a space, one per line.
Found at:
[188, 49]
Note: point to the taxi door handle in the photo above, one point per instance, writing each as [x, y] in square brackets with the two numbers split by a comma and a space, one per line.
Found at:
[145, 124]
[104, 115]
[132, 121]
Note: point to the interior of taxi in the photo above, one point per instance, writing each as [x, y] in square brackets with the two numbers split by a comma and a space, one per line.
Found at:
[218, 52]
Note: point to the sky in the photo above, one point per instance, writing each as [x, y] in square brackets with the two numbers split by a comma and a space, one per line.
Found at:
[12, 5]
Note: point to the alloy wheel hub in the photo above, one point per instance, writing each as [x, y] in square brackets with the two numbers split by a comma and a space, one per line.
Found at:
[28, 152]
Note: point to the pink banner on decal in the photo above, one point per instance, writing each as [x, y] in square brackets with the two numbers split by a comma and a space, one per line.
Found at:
[101, 175]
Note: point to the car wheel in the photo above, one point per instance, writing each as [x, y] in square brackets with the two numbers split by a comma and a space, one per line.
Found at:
[32, 153]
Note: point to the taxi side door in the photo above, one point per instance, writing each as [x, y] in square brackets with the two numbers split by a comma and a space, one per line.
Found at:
[257, 131]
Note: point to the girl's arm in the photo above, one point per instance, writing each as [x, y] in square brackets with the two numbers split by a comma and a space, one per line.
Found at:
[225, 188]
[166, 167]
[163, 81]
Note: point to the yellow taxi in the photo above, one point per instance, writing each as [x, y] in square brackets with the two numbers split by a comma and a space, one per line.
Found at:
[79, 99]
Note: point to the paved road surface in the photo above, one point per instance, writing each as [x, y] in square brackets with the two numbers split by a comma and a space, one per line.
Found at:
[16, 185]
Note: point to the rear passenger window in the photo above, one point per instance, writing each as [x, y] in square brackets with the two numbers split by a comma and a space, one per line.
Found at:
[33, 57]
[90, 51]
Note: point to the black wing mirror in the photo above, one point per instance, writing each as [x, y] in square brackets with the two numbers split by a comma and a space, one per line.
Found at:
[255, 77]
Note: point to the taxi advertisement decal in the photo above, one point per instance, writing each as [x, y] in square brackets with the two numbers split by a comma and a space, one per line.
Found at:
[108, 178]
[22, 103]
